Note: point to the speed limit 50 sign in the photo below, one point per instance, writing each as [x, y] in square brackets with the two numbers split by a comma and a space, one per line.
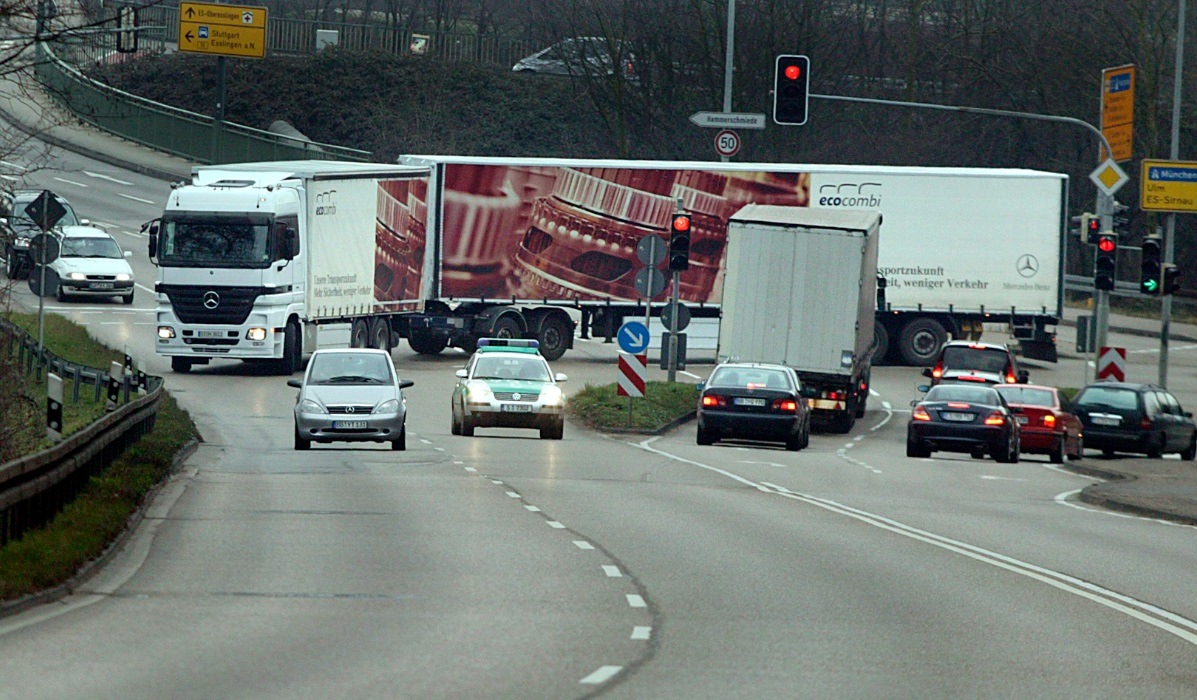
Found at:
[727, 143]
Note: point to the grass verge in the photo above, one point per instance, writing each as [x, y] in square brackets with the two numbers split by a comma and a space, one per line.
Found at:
[48, 557]
[602, 409]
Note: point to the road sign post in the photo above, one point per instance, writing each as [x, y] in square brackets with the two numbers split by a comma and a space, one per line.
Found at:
[727, 143]
[1111, 364]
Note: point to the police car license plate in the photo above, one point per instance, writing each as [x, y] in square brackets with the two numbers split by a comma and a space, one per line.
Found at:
[348, 424]
[516, 408]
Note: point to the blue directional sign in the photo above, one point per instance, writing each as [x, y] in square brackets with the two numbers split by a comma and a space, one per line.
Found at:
[633, 337]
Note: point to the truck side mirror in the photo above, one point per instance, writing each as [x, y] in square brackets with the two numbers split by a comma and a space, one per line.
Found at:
[150, 228]
[291, 243]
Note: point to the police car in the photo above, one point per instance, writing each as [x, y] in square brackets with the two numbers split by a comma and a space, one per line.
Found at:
[508, 384]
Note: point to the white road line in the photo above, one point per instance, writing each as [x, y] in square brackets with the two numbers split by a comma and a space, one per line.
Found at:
[135, 199]
[1065, 499]
[101, 176]
[532, 508]
[771, 464]
[689, 374]
[426, 442]
[1164, 620]
[72, 182]
[612, 571]
[471, 469]
[556, 525]
[583, 544]
[15, 166]
[458, 461]
[496, 481]
[513, 494]
[1000, 478]
[636, 601]
[640, 632]
[604, 674]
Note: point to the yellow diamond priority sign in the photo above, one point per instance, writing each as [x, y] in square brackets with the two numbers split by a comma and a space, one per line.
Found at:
[223, 30]
[1109, 177]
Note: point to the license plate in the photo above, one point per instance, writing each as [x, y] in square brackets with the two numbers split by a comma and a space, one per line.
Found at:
[1022, 420]
[101, 285]
[209, 334]
[750, 402]
[958, 417]
[348, 424]
[1106, 420]
[516, 408]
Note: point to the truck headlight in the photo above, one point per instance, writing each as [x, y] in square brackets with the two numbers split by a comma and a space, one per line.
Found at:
[165, 332]
[256, 334]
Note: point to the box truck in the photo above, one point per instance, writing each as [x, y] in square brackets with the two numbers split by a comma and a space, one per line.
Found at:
[801, 290]
[443, 250]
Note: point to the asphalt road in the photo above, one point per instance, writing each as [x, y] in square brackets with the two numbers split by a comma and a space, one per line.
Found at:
[629, 566]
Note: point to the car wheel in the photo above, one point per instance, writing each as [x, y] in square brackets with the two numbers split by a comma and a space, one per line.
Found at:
[10, 265]
[182, 365]
[1190, 452]
[704, 437]
[467, 426]
[559, 433]
[1057, 454]
[794, 442]
[300, 443]
[916, 448]
[1080, 449]
[127, 300]
[1156, 450]
[454, 424]
[400, 444]
[977, 454]
[59, 291]
[806, 434]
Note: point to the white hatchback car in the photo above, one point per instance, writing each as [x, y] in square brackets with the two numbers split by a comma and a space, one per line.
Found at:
[89, 264]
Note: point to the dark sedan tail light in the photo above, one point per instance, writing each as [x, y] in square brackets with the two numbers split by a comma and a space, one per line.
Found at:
[710, 400]
[995, 418]
[920, 413]
[787, 405]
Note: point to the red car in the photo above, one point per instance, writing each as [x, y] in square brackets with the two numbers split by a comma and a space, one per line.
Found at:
[1047, 426]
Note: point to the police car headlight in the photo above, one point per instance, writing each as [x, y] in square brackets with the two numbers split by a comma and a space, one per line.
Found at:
[551, 396]
[479, 391]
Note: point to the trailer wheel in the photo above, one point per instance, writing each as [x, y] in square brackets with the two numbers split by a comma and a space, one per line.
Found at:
[920, 340]
[881, 333]
[427, 344]
[506, 327]
[359, 335]
[554, 337]
[380, 334]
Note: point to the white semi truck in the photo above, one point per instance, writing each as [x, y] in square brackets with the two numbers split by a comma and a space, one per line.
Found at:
[443, 250]
[801, 290]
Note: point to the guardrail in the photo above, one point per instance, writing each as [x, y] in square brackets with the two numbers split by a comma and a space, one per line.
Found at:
[35, 488]
[186, 134]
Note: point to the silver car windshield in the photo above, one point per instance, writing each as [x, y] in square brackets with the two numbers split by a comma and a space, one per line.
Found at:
[349, 368]
[90, 248]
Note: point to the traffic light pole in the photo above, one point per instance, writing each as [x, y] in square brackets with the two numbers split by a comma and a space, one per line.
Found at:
[1101, 297]
[1170, 231]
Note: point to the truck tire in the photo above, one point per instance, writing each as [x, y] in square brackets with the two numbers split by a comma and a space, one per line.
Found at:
[182, 365]
[506, 327]
[920, 340]
[553, 337]
[292, 350]
[359, 334]
[881, 354]
[380, 334]
[426, 343]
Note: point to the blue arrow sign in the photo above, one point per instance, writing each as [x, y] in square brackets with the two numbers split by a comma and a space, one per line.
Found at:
[633, 337]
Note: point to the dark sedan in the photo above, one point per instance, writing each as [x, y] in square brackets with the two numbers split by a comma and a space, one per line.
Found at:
[751, 401]
[1142, 418]
[963, 418]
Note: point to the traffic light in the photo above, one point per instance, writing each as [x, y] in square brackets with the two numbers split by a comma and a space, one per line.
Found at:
[1105, 265]
[791, 83]
[1169, 278]
[679, 243]
[1149, 271]
[1090, 227]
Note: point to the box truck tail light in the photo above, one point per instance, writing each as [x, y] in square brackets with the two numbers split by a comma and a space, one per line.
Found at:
[938, 371]
[995, 418]
[920, 413]
[1010, 378]
[711, 400]
[835, 395]
[787, 405]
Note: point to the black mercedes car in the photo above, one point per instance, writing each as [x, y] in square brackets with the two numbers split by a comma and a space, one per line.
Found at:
[753, 401]
[963, 418]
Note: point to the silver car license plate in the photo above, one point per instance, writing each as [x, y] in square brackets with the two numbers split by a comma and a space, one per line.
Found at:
[348, 424]
[101, 285]
[958, 417]
[750, 402]
[516, 408]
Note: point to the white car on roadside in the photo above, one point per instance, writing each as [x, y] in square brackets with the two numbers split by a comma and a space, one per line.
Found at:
[90, 263]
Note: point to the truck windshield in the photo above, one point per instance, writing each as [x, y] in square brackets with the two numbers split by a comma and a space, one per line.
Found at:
[217, 242]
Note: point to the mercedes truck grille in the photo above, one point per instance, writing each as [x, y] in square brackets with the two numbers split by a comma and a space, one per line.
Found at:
[214, 305]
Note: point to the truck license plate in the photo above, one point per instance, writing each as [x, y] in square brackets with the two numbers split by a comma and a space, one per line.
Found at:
[209, 334]
[516, 408]
[750, 402]
[348, 424]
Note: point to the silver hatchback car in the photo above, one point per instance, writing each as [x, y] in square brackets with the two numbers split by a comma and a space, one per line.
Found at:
[350, 395]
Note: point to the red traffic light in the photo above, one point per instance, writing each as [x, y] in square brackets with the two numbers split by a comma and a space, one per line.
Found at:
[793, 72]
[1107, 244]
[681, 222]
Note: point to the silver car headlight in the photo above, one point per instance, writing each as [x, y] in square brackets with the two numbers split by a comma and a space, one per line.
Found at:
[77, 276]
[310, 406]
[123, 277]
[391, 406]
[551, 395]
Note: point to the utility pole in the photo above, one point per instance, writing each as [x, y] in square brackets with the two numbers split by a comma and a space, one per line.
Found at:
[1170, 226]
